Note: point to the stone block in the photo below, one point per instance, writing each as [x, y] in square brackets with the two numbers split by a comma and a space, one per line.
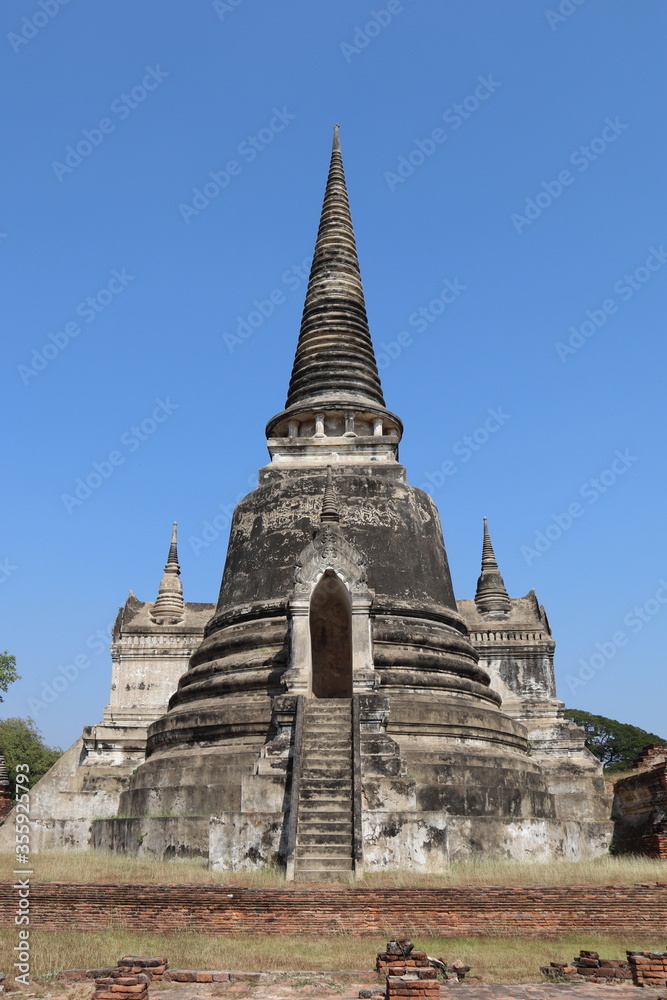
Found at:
[241, 841]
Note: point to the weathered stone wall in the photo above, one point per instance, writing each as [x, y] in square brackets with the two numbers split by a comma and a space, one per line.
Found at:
[86, 783]
[64, 802]
[640, 813]
[537, 911]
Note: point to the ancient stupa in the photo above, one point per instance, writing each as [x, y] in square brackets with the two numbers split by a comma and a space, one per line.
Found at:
[343, 712]
[336, 713]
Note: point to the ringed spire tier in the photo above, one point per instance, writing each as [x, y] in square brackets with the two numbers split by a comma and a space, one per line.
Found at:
[168, 608]
[491, 597]
[335, 388]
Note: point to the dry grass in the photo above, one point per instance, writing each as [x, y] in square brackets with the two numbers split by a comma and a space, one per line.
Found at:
[498, 959]
[97, 867]
[606, 870]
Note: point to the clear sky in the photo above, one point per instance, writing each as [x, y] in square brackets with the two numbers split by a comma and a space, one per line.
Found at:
[163, 170]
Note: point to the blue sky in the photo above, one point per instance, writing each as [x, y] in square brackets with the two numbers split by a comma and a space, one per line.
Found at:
[163, 174]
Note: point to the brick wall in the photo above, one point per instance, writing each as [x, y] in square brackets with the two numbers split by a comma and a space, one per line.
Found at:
[656, 753]
[466, 910]
[640, 808]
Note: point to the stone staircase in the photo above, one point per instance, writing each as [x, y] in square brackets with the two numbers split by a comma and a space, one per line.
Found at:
[324, 838]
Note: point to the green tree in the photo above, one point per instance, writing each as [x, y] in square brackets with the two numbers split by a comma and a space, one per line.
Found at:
[8, 672]
[21, 743]
[616, 744]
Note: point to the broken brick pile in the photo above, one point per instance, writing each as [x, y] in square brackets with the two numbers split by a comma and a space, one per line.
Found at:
[120, 986]
[590, 967]
[649, 968]
[152, 969]
[396, 963]
[409, 973]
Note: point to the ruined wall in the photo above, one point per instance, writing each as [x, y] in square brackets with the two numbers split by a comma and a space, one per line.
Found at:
[640, 812]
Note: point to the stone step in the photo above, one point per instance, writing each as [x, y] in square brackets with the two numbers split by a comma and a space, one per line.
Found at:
[318, 718]
[316, 794]
[311, 779]
[328, 705]
[322, 744]
[336, 856]
[321, 812]
[319, 772]
[320, 714]
[314, 822]
[319, 741]
[333, 786]
[338, 778]
[313, 862]
[326, 719]
[317, 825]
[340, 835]
[336, 792]
[334, 842]
[318, 876]
[338, 760]
[329, 729]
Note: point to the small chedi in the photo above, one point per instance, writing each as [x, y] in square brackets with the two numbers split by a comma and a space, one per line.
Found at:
[338, 710]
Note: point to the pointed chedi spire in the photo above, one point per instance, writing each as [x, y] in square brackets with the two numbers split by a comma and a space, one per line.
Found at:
[491, 597]
[334, 367]
[168, 608]
[329, 511]
[334, 356]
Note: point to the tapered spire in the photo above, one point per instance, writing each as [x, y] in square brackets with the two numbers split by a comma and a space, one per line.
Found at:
[329, 506]
[334, 357]
[491, 597]
[168, 608]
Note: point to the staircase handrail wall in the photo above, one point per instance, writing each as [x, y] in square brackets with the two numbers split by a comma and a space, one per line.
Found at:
[357, 834]
[297, 747]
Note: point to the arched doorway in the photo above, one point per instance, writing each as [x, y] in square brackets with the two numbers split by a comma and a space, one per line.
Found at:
[331, 639]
